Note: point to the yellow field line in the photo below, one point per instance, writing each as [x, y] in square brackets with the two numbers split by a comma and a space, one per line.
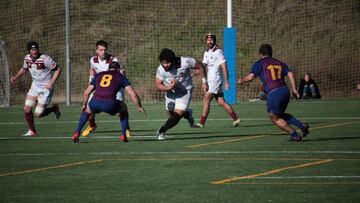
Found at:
[271, 171]
[50, 167]
[333, 125]
[297, 183]
[225, 141]
[260, 136]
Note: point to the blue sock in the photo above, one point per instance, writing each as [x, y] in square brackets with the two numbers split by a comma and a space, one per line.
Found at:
[294, 134]
[292, 120]
[83, 119]
[124, 118]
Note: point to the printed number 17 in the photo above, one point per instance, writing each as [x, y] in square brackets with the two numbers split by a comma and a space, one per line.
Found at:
[273, 74]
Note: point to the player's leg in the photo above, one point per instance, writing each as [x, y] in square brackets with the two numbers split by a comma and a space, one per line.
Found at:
[205, 110]
[221, 101]
[30, 102]
[181, 105]
[92, 125]
[276, 106]
[84, 117]
[294, 121]
[124, 115]
[283, 125]
[42, 108]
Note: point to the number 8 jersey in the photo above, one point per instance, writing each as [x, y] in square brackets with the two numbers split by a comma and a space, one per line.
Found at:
[107, 84]
[272, 73]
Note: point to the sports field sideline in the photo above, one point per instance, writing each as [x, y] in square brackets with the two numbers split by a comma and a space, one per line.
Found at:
[254, 162]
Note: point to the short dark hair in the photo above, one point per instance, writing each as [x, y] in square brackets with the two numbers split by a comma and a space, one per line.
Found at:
[167, 55]
[102, 43]
[114, 65]
[212, 36]
[265, 49]
[32, 45]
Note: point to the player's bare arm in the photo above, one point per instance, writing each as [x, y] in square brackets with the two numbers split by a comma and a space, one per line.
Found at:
[18, 74]
[249, 77]
[135, 98]
[92, 74]
[55, 77]
[86, 94]
[201, 68]
[226, 75]
[164, 88]
[293, 84]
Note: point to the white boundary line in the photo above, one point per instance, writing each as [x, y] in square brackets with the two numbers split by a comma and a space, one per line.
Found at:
[183, 152]
[162, 120]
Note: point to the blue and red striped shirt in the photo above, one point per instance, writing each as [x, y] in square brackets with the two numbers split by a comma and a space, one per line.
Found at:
[107, 84]
[272, 73]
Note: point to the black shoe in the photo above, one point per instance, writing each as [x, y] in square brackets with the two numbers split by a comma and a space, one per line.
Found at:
[305, 131]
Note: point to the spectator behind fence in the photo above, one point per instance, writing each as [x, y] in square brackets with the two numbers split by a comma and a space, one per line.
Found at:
[308, 88]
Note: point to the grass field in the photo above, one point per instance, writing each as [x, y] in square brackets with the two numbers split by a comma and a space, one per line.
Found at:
[254, 162]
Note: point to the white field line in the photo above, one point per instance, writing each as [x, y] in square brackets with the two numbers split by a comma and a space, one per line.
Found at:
[69, 137]
[183, 153]
[162, 120]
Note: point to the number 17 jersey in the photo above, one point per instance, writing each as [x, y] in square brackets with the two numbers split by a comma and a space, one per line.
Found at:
[271, 72]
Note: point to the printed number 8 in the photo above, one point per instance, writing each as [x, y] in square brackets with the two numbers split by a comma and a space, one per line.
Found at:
[105, 80]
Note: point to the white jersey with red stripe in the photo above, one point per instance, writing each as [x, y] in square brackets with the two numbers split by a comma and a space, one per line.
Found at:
[213, 58]
[40, 68]
[103, 65]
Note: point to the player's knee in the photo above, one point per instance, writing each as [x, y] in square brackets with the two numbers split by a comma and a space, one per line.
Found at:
[39, 110]
[29, 103]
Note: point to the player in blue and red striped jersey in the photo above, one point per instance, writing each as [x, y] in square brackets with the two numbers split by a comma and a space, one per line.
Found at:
[272, 73]
[107, 84]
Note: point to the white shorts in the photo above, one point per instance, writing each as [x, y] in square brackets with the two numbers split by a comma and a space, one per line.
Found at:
[42, 94]
[215, 87]
[178, 101]
[120, 95]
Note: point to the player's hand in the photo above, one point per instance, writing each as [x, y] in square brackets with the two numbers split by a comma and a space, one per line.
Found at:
[296, 94]
[142, 110]
[12, 79]
[205, 87]
[227, 86]
[83, 108]
[49, 85]
[239, 81]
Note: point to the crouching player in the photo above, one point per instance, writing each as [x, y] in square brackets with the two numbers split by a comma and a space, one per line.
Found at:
[107, 84]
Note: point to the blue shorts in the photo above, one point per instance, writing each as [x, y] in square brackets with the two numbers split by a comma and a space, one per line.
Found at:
[110, 107]
[277, 100]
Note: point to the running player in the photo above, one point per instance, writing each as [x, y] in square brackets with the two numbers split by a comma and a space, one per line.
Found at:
[40, 94]
[107, 84]
[173, 76]
[272, 73]
[217, 78]
[98, 63]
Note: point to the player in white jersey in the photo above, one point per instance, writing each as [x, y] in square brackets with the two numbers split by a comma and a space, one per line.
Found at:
[217, 76]
[99, 63]
[173, 76]
[40, 94]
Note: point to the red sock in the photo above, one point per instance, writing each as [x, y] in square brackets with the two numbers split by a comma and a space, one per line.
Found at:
[202, 120]
[30, 121]
[233, 116]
